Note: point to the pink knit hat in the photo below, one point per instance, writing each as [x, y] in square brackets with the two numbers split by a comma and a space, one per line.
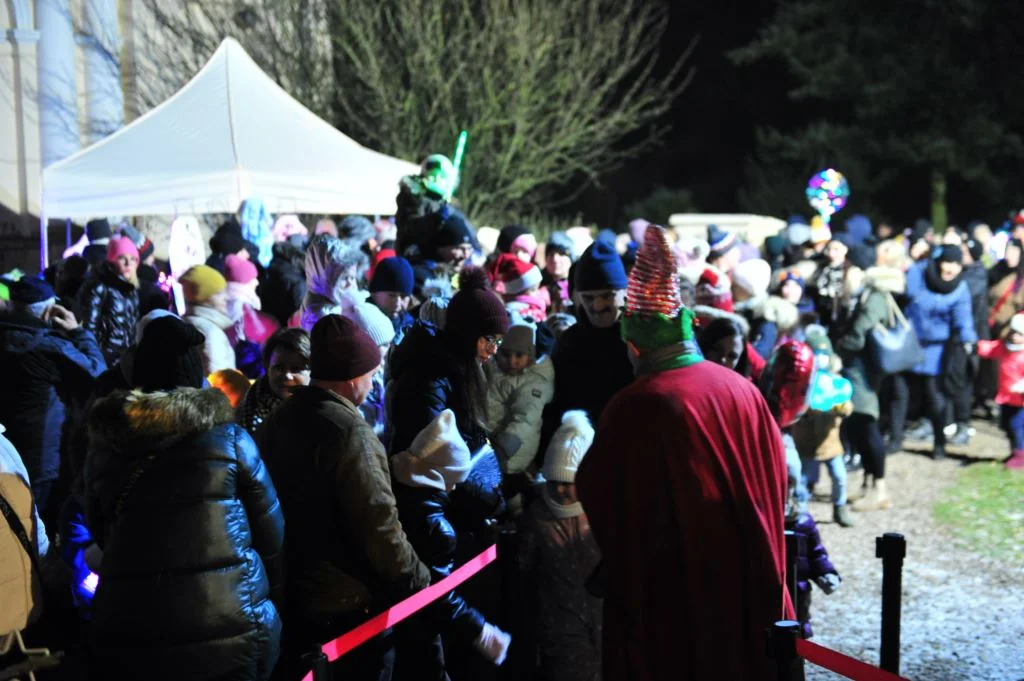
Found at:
[239, 270]
[119, 246]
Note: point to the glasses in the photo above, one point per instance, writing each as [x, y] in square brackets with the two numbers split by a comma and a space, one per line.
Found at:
[493, 340]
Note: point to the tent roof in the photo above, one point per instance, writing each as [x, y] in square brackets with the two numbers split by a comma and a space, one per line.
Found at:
[230, 134]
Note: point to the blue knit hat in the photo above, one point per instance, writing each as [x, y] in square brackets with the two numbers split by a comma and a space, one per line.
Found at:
[600, 269]
[30, 290]
[394, 275]
[721, 241]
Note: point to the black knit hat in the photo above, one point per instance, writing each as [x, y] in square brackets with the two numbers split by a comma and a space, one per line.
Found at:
[169, 356]
[507, 235]
[228, 239]
[476, 310]
[30, 290]
[98, 229]
[950, 253]
[455, 230]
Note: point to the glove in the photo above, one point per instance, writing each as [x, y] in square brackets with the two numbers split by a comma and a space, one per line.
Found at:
[969, 349]
[828, 583]
[493, 643]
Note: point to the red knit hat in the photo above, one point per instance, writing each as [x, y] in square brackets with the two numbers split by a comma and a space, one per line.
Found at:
[714, 290]
[475, 310]
[512, 275]
[239, 270]
[340, 350]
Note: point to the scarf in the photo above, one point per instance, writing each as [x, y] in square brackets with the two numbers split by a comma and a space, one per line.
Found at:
[675, 356]
[936, 284]
[258, 404]
[561, 511]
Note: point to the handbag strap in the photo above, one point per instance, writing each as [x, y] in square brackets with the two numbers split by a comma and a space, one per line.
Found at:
[19, 531]
[1000, 303]
[895, 313]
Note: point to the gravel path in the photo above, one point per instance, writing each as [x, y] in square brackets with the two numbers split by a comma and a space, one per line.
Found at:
[963, 614]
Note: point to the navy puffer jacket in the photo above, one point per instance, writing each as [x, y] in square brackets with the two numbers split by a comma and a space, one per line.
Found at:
[192, 533]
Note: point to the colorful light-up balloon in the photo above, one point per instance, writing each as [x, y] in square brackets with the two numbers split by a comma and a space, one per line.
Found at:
[827, 192]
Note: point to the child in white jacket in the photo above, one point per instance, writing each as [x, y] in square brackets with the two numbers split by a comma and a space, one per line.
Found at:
[518, 387]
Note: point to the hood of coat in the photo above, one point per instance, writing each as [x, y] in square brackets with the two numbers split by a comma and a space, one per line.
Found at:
[707, 313]
[133, 422]
[886, 279]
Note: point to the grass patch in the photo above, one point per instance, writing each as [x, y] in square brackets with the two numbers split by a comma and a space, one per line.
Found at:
[985, 508]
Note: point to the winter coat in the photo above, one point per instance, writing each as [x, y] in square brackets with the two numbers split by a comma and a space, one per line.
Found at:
[1011, 370]
[828, 290]
[282, 289]
[813, 562]
[192, 536]
[422, 512]
[151, 296]
[850, 343]
[42, 371]
[21, 594]
[110, 309]
[1006, 298]
[771, 318]
[424, 381]
[591, 365]
[347, 552]
[560, 555]
[976, 279]
[514, 408]
[218, 351]
[937, 318]
[816, 435]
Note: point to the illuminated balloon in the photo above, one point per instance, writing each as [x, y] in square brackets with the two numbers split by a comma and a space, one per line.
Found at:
[827, 192]
[787, 380]
[829, 391]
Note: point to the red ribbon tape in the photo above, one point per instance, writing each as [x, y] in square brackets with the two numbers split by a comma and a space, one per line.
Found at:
[411, 605]
[841, 664]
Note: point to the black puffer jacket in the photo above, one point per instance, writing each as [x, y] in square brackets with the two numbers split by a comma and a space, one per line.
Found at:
[110, 309]
[424, 381]
[283, 283]
[192, 535]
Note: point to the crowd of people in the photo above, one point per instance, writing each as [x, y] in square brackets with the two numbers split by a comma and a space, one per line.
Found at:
[214, 476]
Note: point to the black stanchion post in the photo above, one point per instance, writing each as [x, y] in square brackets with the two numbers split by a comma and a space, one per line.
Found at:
[317, 661]
[512, 604]
[782, 646]
[891, 547]
[793, 548]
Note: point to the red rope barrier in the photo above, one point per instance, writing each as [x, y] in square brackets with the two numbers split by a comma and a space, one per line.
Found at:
[411, 605]
[842, 664]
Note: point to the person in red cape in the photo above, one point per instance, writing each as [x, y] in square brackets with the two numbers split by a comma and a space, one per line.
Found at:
[685, 487]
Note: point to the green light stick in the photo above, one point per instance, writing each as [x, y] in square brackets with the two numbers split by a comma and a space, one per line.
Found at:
[460, 149]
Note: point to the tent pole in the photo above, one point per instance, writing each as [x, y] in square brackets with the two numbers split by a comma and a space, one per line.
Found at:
[44, 244]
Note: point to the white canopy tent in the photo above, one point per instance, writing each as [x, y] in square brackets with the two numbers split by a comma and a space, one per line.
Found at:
[230, 134]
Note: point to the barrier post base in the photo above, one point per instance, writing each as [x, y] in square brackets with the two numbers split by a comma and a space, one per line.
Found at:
[782, 647]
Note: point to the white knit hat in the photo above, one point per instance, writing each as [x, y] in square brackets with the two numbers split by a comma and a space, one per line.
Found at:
[374, 322]
[438, 458]
[753, 276]
[570, 442]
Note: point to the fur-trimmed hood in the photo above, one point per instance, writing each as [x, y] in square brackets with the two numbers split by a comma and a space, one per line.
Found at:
[885, 279]
[706, 312]
[130, 422]
[773, 309]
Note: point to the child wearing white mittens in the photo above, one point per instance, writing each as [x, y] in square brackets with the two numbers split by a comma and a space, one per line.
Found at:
[560, 553]
[436, 461]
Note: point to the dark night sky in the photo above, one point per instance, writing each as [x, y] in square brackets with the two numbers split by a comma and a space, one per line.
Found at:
[713, 121]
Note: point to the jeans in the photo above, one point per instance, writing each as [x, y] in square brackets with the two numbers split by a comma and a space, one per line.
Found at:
[794, 471]
[1012, 421]
[836, 471]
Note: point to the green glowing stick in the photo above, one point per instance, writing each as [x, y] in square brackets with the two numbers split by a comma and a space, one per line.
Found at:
[460, 149]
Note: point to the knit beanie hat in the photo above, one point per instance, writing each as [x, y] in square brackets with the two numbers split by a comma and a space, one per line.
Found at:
[513, 276]
[30, 290]
[568, 446]
[600, 269]
[119, 246]
[437, 459]
[228, 238]
[144, 245]
[381, 255]
[340, 350]
[949, 253]
[520, 338]
[559, 242]
[435, 310]
[239, 270]
[98, 230]
[820, 232]
[357, 229]
[720, 241]
[394, 275]
[714, 290]
[1017, 323]
[169, 356]
[976, 249]
[202, 282]
[510, 234]
[147, 319]
[455, 230]
[791, 275]
[374, 322]
[753, 276]
[487, 237]
[817, 337]
[476, 310]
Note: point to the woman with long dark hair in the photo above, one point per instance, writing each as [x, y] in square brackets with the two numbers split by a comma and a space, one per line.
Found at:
[724, 341]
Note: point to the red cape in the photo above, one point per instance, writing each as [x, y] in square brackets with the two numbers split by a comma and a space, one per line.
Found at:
[684, 488]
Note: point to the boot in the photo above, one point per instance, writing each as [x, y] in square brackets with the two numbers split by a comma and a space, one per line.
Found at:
[865, 487]
[938, 452]
[842, 516]
[893, 446]
[1016, 460]
[961, 436]
[877, 499]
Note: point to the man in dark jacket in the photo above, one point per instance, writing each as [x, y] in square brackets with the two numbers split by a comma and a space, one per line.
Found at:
[348, 557]
[962, 371]
[46, 361]
[590, 359]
